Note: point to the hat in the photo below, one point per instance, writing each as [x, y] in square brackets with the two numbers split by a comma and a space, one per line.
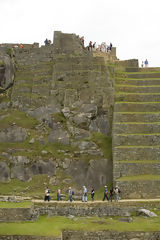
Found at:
[105, 186]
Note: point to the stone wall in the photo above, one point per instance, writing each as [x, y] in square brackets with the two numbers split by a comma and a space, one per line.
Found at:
[92, 209]
[16, 237]
[104, 235]
[17, 214]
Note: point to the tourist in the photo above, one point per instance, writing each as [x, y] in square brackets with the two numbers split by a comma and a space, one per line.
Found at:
[90, 46]
[70, 194]
[105, 193]
[92, 194]
[84, 197]
[110, 46]
[116, 194]
[59, 194]
[47, 195]
[94, 46]
[111, 194]
[21, 45]
[142, 64]
[146, 63]
[46, 42]
[82, 40]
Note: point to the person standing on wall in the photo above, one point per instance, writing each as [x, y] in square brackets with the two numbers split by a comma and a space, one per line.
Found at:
[146, 63]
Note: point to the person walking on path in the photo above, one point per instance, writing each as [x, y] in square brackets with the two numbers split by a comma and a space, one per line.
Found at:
[47, 195]
[105, 193]
[116, 194]
[59, 194]
[111, 194]
[70, 194]
[92, 194]
[84, 197]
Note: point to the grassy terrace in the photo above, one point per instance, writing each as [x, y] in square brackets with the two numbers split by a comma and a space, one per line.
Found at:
[119, 102]
[53, 226]
[146, 113]
[134, 86]
[25, 204]
[140, 161]
[137, 123]
[140, 178]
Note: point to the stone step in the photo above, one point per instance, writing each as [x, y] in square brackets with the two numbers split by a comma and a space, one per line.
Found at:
[135, 153]
[137, 116]
[143, 75]
[125, 168]
[136, 139]
[137, 97]
[137, 107]
[139, 82]
[137, 89]
[136, 127]
[140, 188]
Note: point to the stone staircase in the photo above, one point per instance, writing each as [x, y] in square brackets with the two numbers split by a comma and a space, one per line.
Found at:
[136, 134]
[33, 77]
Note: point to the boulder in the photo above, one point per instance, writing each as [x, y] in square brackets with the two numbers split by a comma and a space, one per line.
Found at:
[13, 134]
[146, 212]
[100, 124]
[78, 133]
[4, 172]
[20, 172]
[93, 173]
[7, 79]
[42, 167]
[19, 160]
[59, 135]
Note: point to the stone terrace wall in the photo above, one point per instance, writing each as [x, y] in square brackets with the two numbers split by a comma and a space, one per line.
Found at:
[3, 237]
[104, 235]
[92, 209]
[16, 214]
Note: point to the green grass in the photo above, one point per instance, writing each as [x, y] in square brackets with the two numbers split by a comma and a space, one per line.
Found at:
[119, 102]
[127, 93]
[139, 134]
[104, 142]
[35, 187]
[154, 146]
[144, 113]
[139, 161]
[140, 178]
[53, 226]
[17, 117]
[134, 86]
[153, 123]
[25, 204]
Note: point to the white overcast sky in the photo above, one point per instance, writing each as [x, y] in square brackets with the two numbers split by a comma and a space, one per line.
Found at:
[131, 25]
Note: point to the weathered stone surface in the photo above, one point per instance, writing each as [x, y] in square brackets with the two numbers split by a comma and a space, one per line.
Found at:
[100, 124]
[146, 212]
[42, 167]
[59, 135]
[7, 78]
[13, 134]
[92, 173]
[20, 172]
[5, 172]
[78, 133]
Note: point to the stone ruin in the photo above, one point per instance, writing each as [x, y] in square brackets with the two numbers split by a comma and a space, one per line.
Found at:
[82, 100]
